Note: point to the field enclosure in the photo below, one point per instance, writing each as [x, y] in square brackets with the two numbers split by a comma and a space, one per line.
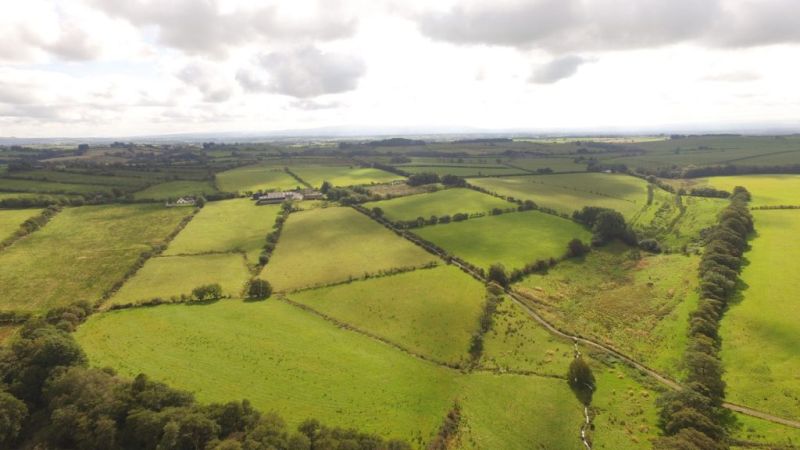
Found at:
[759, 332]
[236, 225]
[10, 220]
[433, 312]
[334, 244]
[80, 253]
[255, 178]
[440, 203]
[513, 239]
[315, 175]
[569, 192]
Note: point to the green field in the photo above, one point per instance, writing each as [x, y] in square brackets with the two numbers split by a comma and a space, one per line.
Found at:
[175, 189]
[640, 307]
[220, 351]
[280, 358]
[513, 412]
[766, 190]
[625, 410]
[433, 312]
[342, 175]
[569, 192]
[255, 178]
[333, 244]
[444, 202]
[11, 219]
[80, 253]
[463, 171]
[760, 330]
[757, 430]
[554, 164]
[236, 225]
[171, 276]
[664, 221]
[513, 239]
[516, 342]
[82, 178]
[14, 185]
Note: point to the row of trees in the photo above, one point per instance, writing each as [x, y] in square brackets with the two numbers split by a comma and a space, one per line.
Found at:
[273, 236]
[693, 418]
[49, 398]
[418, 179]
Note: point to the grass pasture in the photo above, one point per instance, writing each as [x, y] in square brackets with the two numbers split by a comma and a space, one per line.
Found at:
[766, 190]
[517, 343]
[235, 225]
[759, 331]
[569, 192]
[463, 171]
[175, 189]
[433, 312]
[80, 253]
[45, 187]
[333, 244]
[513, 412]
[172, 276]
[555, 164]
[513, 239]
[280, 358]
[446, 201]
[639, 306]
[342, 175]
[255, 178]
[11, 219]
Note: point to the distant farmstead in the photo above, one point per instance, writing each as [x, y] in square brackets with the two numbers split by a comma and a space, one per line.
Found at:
[271, 198]
[182, 201]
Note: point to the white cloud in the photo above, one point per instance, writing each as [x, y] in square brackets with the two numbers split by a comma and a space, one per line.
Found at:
[557, 69]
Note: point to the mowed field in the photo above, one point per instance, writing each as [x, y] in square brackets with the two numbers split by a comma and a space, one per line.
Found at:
[235, 225]
[444, 202]
[11, 219]
[333, 244]
[766, 190]
[15, 185]
[513, 239]
[639, 306]
[255, 178]
[433, 312]
[569, 192]
[175, 189]
[760, 330]
[80, 253]
[463, 171]
[286, 360]
[342, 175]
[167, 276]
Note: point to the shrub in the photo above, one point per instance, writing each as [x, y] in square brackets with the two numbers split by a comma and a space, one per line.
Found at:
[207, 292]
[259, 289]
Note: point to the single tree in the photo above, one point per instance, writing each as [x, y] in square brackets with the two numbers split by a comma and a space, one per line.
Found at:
[259, 289]
[497, 273]
[581, 380]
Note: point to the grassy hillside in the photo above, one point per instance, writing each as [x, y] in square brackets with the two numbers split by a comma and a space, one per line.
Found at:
[433, 312]
[767, 190]
[81, 253]
[168, 276]
[227, 226]
[569, 192]
[333, 244]
[760, 329]
[513, 239]
[447, 201]
[255, 178]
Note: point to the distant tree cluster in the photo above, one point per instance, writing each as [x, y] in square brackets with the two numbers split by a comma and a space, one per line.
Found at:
[709, 192]
[50, 399]
[693, 418]
[419, 179]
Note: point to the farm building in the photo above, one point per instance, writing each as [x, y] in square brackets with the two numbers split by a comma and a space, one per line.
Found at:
[271, 198]
[182, 201]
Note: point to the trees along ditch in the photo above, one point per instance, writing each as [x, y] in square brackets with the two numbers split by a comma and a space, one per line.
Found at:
[693, 418]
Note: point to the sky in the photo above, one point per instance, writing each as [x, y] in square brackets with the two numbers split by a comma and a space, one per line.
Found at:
[107, 68]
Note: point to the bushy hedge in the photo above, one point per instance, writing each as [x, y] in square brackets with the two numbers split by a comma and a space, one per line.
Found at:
[693, 418]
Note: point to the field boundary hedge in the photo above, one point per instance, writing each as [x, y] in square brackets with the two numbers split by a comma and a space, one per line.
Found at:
[30, 226]
[297, 177]
[366, 276]
[143, 257]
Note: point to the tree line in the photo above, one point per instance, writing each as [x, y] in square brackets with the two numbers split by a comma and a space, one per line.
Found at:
[693, 417]
[50, 398]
